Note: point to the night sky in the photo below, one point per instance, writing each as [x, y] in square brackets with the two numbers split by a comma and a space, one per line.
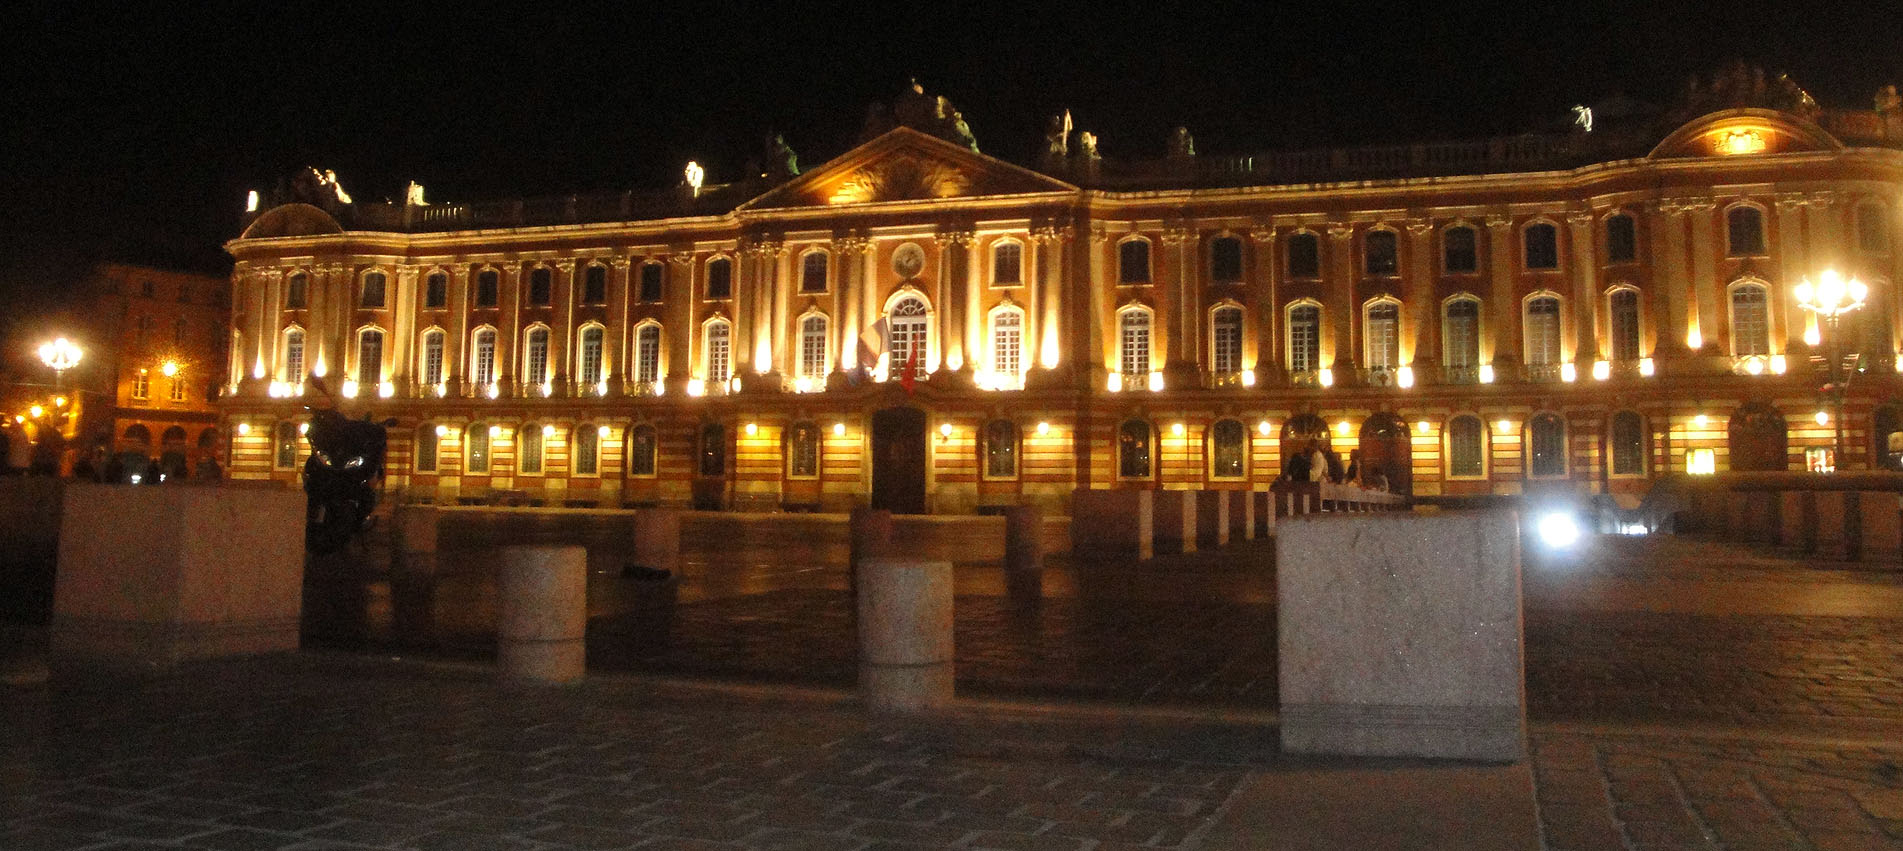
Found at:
[133, 134]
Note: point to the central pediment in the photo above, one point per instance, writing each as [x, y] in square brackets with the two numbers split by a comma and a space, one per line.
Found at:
[906, 165]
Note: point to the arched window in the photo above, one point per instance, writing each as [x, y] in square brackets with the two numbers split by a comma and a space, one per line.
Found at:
[651, 276]
[476, 448]
[720, 278]
[1133, 341]
[1304, 255]
[285, 457]
[1225, 340]
[208, 439]
[1133, 450]
[588, 450]
[432, 371]
[1380, 253]
[1542, 246]
[594, 284]
[1466, 447]
[1382, 330]
[813, 272]
[1007, 342]
[436, 291]
[641, 450]
[488, 288]
[802, 451]
[370, 357]
[1225, 260]
[1460, 253]
[1304, 338]
[647, 353]
[1744, 227]
[719, 346]
[297, 292]
[528, 450]
[1228, 450]
[1546, 445]
[482, 357]
[294, 354]
[1542, 331]
[1460, 337]
[1007, 264]
[541, 286]
[374, 285]
[1628, 444]
[535, 357]
[1622, 239]
[427, 445]
[1001, 449]
[138, 435]
[589, 367]
[1873, 229]
[910, 329]
[1133, 261]
[1750, 322]
[1622, 313]
[173, 437]
[813, 346]
[713, 450]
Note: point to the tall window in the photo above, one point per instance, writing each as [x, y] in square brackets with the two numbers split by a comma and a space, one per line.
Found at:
[641, 449]
[535, 360]
[1873, 229]
[373, 287]
[1304, 338]
[587, 450]
[713, 450]
[1628, 444]
[286, 443]
[1542, 246]
[647, 353]
[1225, 340]
[719, 351]
[1225, 260]
[909, 330]
[488, 288]
[1304, 256]
[178, 388]
[813, 272]
[1133, 335]
[141, 385]
[1007, 264]
[369, 357]
[1384, 335]
[296, 292]
[1007, 342]
[813, 346]
[1227, 449]
[294, 354]
[1001, 449]
[476, 447]
[651, 274]
[1466, 445]
[1542, 331]
[1133, 450]
[178, 333]
[483, 370]
[1461, 330]
[436, 291]
[1547, 445]
[541, 286]
[1133, 261]
[1623, 307]
[802, 450]
[144, 326]
[1622, 239]
[528, 449]
[594, 285]
[1459, 252]
[1750, 324]
[1382, 255]
[427, 445]
[1745, 229]
[590, 371]
[720, 278]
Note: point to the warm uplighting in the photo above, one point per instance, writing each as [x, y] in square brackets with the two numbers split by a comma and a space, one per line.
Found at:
[350, 389]
[1741, 141]
[1694, 340]
[1156, 382]
[1646, 368]
[303, 428]
[547, 389]
[386, 390]
[1248, 378]
[60, 355]
[1701, 462]
[548, 431]
[495, 431]
[1568, 372]
[1326, 377]
[1422, 426]
[1812, 336]
[1754, 366]
[1822, 418]
[753, 429]
[802, 384]
[492, 391]
[1777, 365]
[696, 387]
[1486, 373]
[19, 419]
[1177, 429]
[59, 401]
[1404, 377]
[601, 388]
[839, 429]
[1503, 426]
[602, 432]
[36, 412]
[1043, 429]
[168, 368]
[251, 201]
[1114, 383]
[1601, 370]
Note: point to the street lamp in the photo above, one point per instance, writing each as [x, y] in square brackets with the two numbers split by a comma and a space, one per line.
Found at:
[61, 355]
[1830, 299]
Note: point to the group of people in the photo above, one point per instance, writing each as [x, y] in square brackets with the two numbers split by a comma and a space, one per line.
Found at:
[1315, 462]
[98, 463]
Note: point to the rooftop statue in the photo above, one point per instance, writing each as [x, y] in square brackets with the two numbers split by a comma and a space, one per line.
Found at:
[782, 163]
[922, 112]
[1087, 145]
[1181, 143]
[1739, 86]
[319, 189]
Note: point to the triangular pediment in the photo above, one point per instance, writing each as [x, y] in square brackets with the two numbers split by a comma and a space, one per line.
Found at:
[906, 165]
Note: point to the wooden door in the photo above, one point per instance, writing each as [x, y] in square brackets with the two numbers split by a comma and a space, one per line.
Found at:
[898, 460]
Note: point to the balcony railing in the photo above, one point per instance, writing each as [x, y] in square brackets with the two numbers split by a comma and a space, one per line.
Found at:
[1460, 375]
[1541, 373]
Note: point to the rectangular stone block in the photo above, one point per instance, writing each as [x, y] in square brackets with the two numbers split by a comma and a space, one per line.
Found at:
[1880, 528]
[1400, 635]
[159, 575]
[1115, 523]
[1241, 515]
[1175, 521]
[1212, 531]
[1830, 509]
[1264, 513]
[1763, 513]
[1797, 520]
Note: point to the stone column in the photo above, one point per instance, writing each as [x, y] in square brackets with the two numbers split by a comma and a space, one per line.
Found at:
[1503, 308]
[1342, 306]
[1585, 268]
[657, 538]
[617, 347]
[1793, 255]
[1702, 306]
[1265, 287]
[1423, 307]
[682, 333]
[456, 336]
[1053, 271]
[961, 297]
[1185, 316]
[869, 535]
[562, 326]
[1669, 266]
[544, 619]
[905, 634]
[780, 283]
[866, 282]
[1100, 353]
[845, 254]
[509, 336]
[1024, 552]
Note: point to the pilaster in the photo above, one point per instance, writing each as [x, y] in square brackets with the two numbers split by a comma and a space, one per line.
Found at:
[1419, 289]
[1584, 261]
[1341, 342]
[1503, 308]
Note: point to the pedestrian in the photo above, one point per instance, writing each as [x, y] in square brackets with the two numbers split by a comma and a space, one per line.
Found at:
[1317, 462]
[1298, 466]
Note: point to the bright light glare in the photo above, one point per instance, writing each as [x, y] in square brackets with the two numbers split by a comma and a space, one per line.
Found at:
[1558, 530]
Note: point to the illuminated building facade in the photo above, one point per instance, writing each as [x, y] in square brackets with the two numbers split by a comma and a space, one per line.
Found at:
[1579, 312]
[163, 336]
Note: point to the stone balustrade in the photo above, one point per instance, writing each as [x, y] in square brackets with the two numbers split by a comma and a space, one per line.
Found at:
[1144, 523]
[1838, 517]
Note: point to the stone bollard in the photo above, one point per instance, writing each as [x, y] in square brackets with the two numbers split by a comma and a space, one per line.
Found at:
[417, 535]
[904, 609]
[1831, 514]
[1175, 521]
[544, 614]
[1024, 552]
[1879, 528]
[657, 539]
[1797, 521]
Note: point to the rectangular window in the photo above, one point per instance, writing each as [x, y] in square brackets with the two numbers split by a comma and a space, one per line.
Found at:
[436, 291]
[1007, 265]
[485, 371]
[647, 354]
[1383, 256]
[294, 356]
[1460, 254]
[426, 445]
[296, 293]
[803, 451]
[541, 286]
[719, 353]
[1384, 336]
[588, 451]
[813, 347]
[286, 455]
[1133, 262]
[1007, 340]
[1542, 247]
[1226, 341]
[433, 358]
[1225, 260]
[373, 286]
[720, 278]
[1622, 240]
[1304, 256]
[1463, 334]
[591, 356]
[651, 283]
[478, 439]
[141, 385]
[536, 371]
[1136, 343]
[1542, 331]
[1628, 444]
[1625, 325]
[641, 450]
[813, 272]
[488, 288]
[1304, 339]
[594, 287]
[1465, 444]
[529, 450]
[178, 389]
[370, 359]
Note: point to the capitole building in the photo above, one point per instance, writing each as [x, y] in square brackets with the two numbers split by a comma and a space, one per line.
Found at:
[919, 326]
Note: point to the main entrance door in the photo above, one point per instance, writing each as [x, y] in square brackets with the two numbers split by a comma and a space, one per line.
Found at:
[898, 460]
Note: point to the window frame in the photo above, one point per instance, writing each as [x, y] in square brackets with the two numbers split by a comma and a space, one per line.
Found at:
[922, 321]
[1149, 451]
[1473, 250]
[476, 366]
[285, 337]
[1017, 273]
[1239, 347]
[364, 335]
[1731, 314]
[1125, 266]
[1612, 446]
[793, 451]
[1632, 228]
[1527, 328]
[702, 454]
[589, 271]
[1210, 448]
[1484, 450]
[531, 443]
[1529, 445]
[1478, 335]
[430, 281]
[1735, 213]
[1305, 237]
[1215, 263]
[1393, 258]
[1613, 321]
[996, 347]
[599, 351]
[1289, 335]
[806, 336]
[297, 291]
[540, 281]
[426, 436]
[1015, 450]
[825, 271]
[382, 290]
[279, 443]
[479, 441]
[1527, 245]
[486, 294]
[1124, 348]
[707, 353]
[651, 458]
[719, 261]
[530, 352]
[585, 436]
[641, 362]
[657, 280]
[1367, 332]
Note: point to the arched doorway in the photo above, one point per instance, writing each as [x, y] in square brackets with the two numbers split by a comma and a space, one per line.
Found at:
[1385, 446]
[1886, 435]
[1758, 438]
[1298, 431]
[898, 460]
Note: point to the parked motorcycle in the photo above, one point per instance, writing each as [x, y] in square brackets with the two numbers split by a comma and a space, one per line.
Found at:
[340, 476]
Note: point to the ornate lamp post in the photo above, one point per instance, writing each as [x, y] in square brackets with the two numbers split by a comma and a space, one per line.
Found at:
[61, 354]
[1830, 299]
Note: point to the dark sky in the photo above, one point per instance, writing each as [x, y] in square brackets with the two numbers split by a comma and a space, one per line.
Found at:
[134, 132]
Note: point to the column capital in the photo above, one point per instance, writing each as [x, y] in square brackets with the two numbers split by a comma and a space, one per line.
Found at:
[849, 245]
[1580, 218]
[1420, 227]
[682, 259]
[567, 265]
[1178, 235]
[1499, 223]
[1099, 233]
[621, 263]
[1262, 234]
[962, 237]
[1341, 231]
[1050, 234]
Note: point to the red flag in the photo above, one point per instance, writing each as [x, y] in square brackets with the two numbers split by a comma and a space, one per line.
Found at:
[909, 377]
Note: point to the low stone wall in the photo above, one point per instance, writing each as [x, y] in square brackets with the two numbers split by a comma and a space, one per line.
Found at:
[29, 525]
[1836, 517]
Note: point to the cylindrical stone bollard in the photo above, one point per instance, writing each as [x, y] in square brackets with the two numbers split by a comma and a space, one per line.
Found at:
[544, 613]
[416, 534]
[905, 634]
[657, 539]
[1024, 552]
